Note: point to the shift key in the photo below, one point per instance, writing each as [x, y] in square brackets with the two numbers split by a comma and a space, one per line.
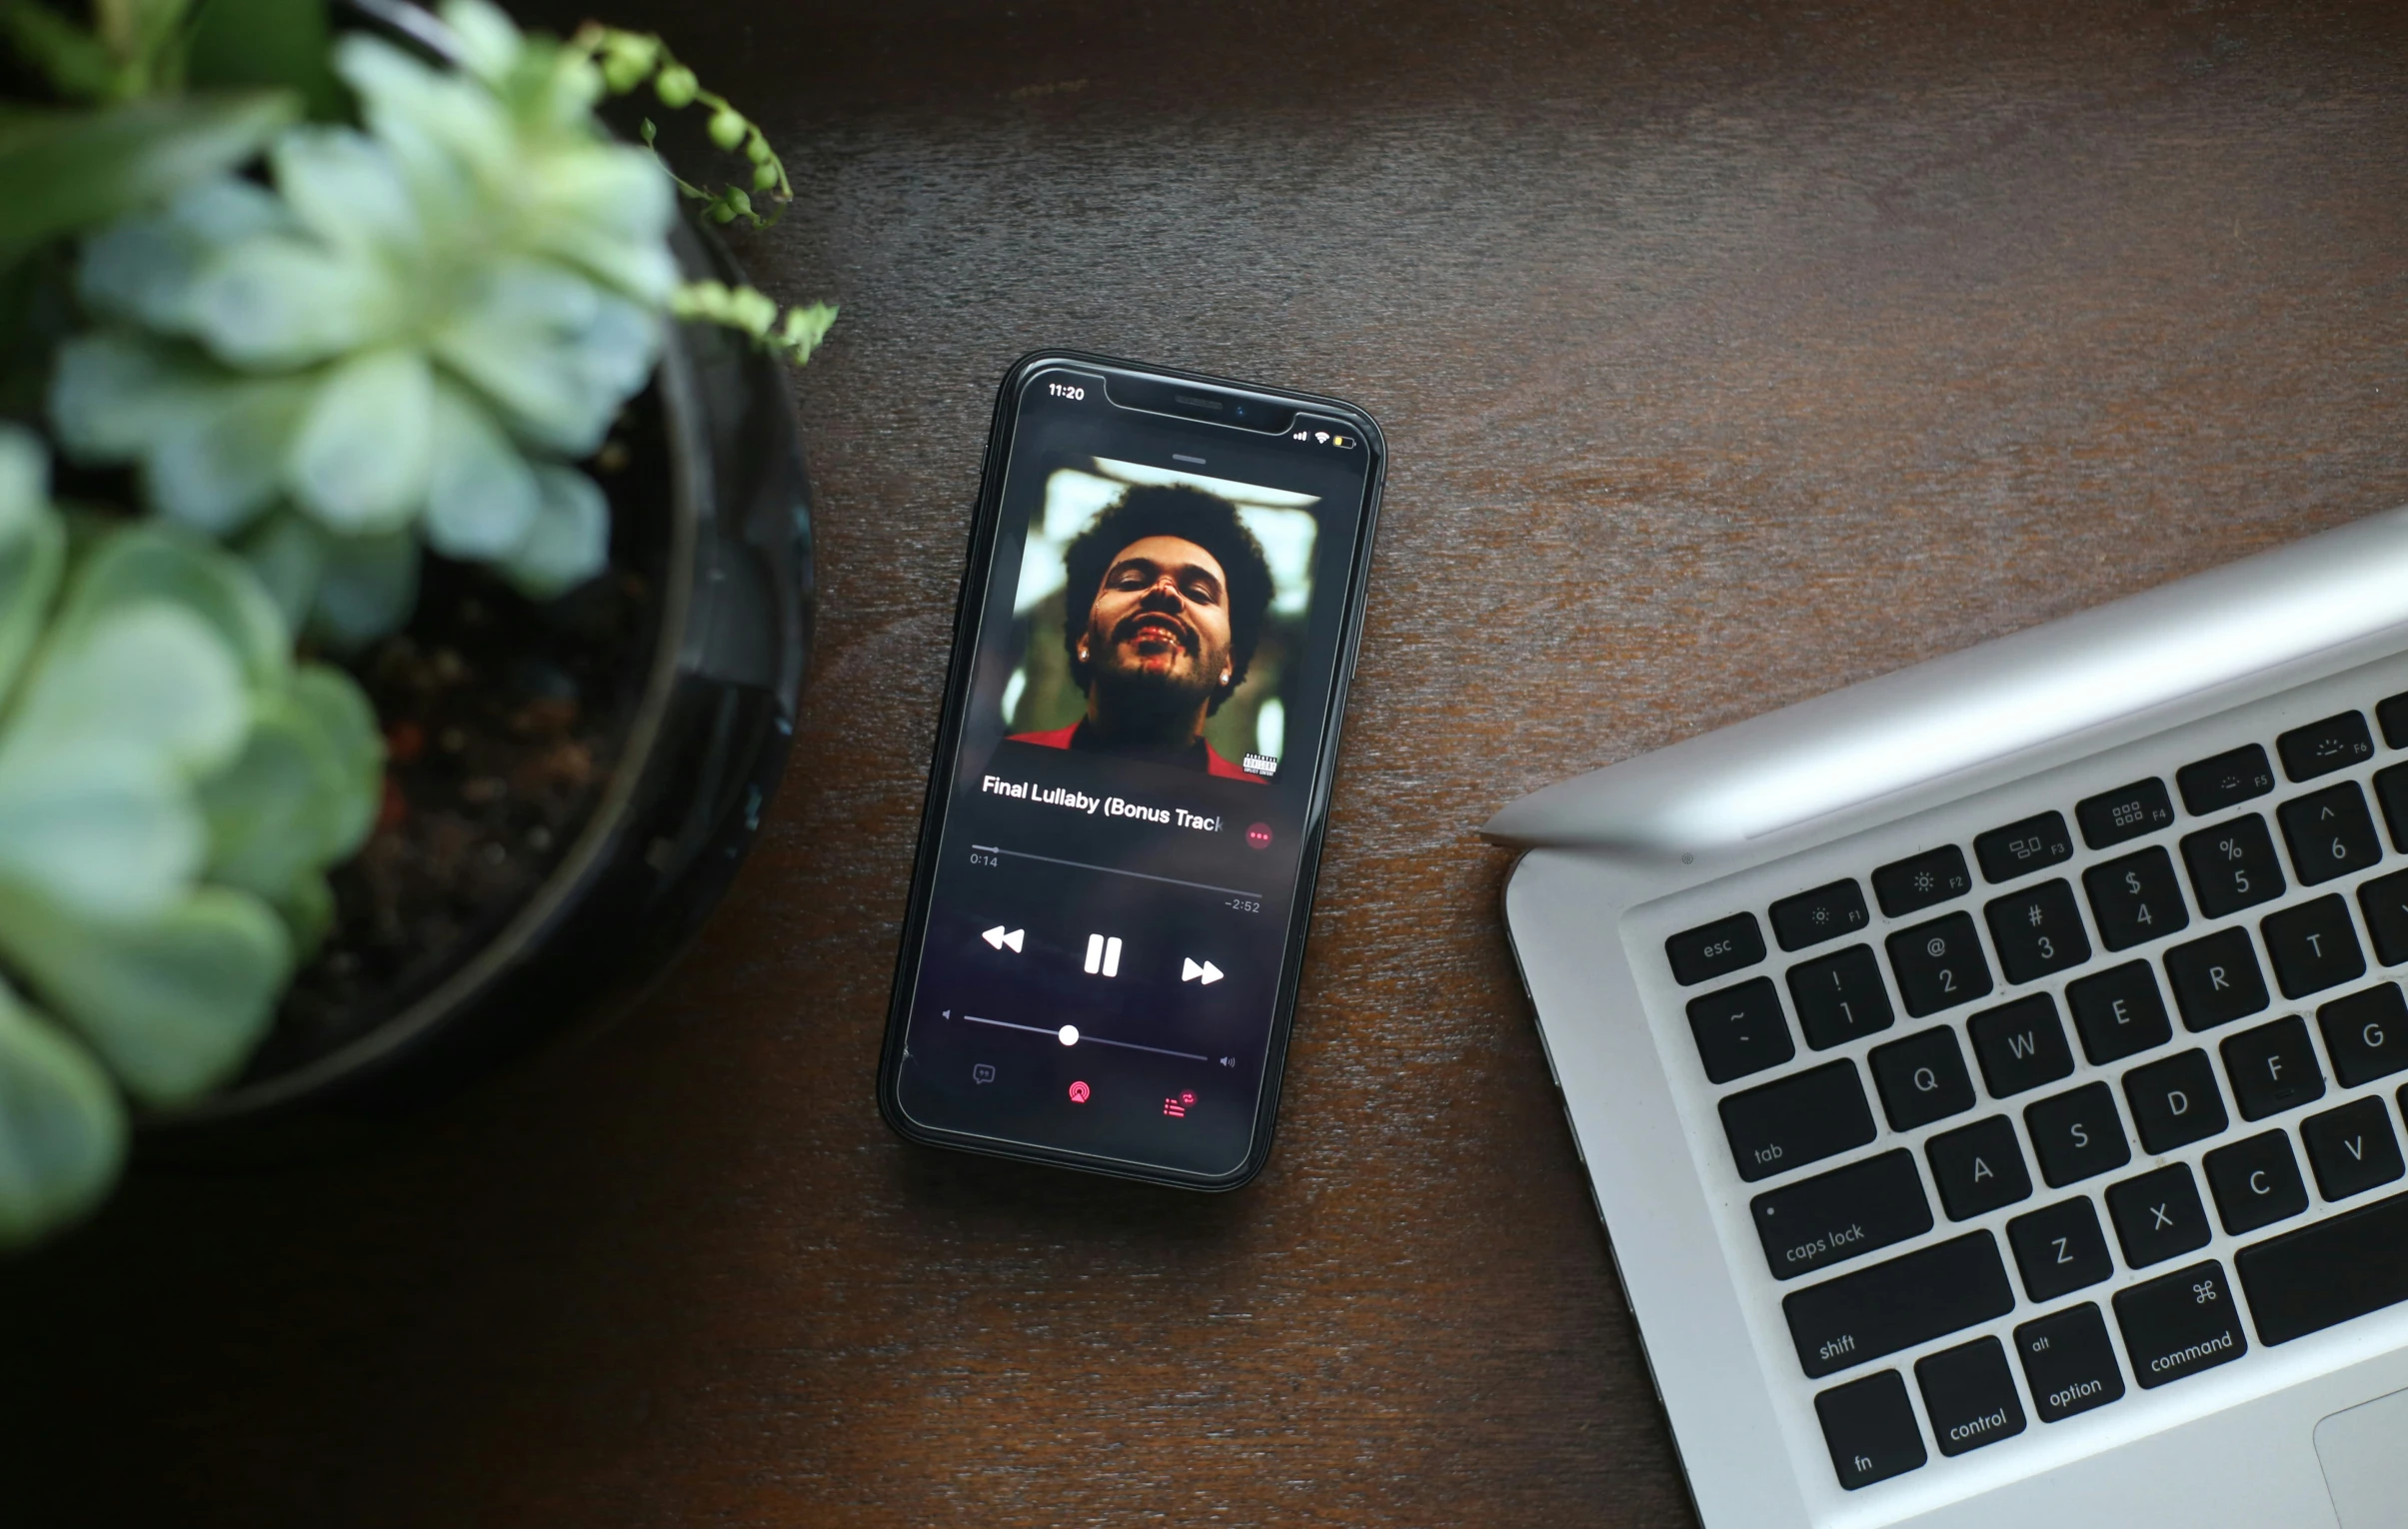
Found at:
[1799, 1119]
[1926, 1294]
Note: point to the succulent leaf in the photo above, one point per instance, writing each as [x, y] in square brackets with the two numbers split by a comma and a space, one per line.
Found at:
[107, 834]
[33, 548]
[62, 1130]
[172, 1002]
[159, 564]
[568, 539]
[366, 585]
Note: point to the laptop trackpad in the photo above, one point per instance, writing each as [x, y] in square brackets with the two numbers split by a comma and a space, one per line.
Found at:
[2365, 1455]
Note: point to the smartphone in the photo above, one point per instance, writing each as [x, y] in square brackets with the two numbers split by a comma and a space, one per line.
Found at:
[1150, 657]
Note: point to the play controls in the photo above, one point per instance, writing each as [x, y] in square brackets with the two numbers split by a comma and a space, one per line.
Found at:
[1190, 971]
[1004, 940]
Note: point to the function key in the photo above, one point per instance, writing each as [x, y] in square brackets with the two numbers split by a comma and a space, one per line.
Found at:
[1713, 949]
[1826, 912]
[1969, 1395]
[2392, 714]
[2020, 849]
[1921, 880]
[2321, 748]
[1869, 1426]
[1740, 1030]
[2181, 1324]
[2069, 1364]
[2213, 785]
[1796, 1121]
[2128, 811]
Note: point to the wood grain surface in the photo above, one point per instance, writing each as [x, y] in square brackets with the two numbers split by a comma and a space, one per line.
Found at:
[1729, 353]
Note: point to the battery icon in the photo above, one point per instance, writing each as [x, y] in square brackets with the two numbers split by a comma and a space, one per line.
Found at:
[1341, 440]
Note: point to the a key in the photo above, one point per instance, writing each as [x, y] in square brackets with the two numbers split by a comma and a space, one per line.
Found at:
[1740, 1030]
[2232, 866]
[2068, 1362]
[1970, 1396]
[1938, 965]
[2366, 1034]
[2119, 1012]
[1921, 1078]
[1840, 997]
[2059, 1248]
[1869, 1428]
[2391, 789]
[2384, 901]
[1842, 1214]
[2256, 1182]
[2020, 849]
[2272, 1069]
[1796, 1121]
[1911, 1299]
[2351, 1148]
[2215, 784]
[2328, 1271]
[2329, 833]
[2076, 1134]
[1978, 1169]
[2127, 812]
[2021, 1045]
[1922, 880]
[2158, 1215]
[2174, 1101]
[2321, 748]
[2216, 979]
[1826, 912]
[2313, 947]
[2392, 717]
[1715, 950]
[2136, 899]
[2037, 932]
[2181, 1323]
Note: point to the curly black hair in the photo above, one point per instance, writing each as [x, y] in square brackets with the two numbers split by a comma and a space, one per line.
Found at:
[1191, 515]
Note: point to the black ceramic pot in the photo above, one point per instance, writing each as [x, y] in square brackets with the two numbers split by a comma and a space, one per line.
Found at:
[728, 544]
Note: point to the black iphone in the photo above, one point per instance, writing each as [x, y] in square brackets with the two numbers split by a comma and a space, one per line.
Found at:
[1125, 815]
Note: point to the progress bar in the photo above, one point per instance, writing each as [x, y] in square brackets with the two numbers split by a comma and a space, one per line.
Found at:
[1077, 1038]
[1235, 891]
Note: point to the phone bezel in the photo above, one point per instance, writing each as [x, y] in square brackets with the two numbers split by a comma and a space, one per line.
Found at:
[967, 615]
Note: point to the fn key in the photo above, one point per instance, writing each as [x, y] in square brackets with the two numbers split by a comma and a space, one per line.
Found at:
[1869, 1426]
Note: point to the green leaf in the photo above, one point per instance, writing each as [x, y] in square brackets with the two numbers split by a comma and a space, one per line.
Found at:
[156, 563]
[274, 300]
[483, 497]
[148, 681]
[173, 1003]
[347, 723]
[215, 464]
[571, 539]
[62, 1129]
[361, 462]
[107, 833]
[367, 588]
[76, 63]
[67, 169]
[245, 43]
[33, 549]
[278, 811]
[287, 555]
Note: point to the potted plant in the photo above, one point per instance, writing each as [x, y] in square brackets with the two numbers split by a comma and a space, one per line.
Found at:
[403, 556]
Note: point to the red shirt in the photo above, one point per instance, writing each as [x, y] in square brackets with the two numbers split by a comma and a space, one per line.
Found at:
[1060, 738]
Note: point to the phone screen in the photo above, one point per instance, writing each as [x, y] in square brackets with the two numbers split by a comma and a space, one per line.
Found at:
[1157, 627]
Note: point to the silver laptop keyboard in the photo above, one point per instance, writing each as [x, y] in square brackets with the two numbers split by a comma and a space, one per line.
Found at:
[2261, 1077]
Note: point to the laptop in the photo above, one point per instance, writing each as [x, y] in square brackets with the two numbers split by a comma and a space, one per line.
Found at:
[1990, 1075]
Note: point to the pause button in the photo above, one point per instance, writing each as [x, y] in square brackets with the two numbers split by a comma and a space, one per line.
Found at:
[1102, 955]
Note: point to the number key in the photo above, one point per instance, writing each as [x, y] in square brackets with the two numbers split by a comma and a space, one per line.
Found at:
[2232, 866]
[2331, 833]
[2135, 898]
[1840, 997]
[1940, 964]
[2037, 930]
[1740, 1030]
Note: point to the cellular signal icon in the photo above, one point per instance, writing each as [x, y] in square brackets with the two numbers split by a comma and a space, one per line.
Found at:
[1303, 434]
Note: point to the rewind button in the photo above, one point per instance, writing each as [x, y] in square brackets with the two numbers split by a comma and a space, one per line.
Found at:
[1004, 940]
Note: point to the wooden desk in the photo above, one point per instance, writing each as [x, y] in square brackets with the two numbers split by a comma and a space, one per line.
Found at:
[1730, 352]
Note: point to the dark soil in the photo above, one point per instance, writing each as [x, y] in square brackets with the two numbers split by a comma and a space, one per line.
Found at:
[504, 720]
